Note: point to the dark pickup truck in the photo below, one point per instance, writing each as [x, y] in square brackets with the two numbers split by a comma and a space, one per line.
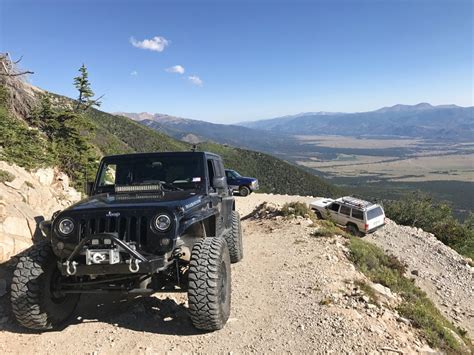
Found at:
[244, 186]
[153, 222]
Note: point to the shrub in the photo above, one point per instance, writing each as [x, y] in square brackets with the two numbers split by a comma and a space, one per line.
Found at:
[6, 176]
[295, 209]
[419, 210]
[326, 228]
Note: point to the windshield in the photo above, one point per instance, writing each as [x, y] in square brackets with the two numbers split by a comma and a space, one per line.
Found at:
[171, 172]
[233, 174]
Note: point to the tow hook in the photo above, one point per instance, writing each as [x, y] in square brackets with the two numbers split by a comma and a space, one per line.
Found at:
[133, 265]
[71, 268]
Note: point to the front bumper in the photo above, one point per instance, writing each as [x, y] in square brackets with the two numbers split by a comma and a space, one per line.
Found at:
[143, 267]
[135, 263]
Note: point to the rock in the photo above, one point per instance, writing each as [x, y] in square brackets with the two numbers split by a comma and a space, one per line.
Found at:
[403, 320]
[16, 226]
[383, 291]
[30, 198]
[45, 176]
[15, 184]
[415, 272]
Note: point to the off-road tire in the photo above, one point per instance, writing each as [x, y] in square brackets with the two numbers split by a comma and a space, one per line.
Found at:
[33, 302]
[234, 239]
[209, 290]
[318, 214]
[244, 191]
[352, 229]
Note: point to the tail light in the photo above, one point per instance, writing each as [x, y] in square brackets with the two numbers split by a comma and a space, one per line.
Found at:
[366, 227]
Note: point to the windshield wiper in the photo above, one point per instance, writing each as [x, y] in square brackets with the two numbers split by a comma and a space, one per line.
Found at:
[170, 186]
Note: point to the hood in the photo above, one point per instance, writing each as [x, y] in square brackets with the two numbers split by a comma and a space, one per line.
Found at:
[154, 199]
[245, 178]
[321, 202]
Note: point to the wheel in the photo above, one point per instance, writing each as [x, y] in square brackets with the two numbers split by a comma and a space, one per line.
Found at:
[234, 239]
[209, 290]
[36, 301]
[352, 229]
[318, 214]
[244, 191]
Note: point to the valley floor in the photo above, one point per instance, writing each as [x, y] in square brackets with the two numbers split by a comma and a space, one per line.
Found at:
[291, 293]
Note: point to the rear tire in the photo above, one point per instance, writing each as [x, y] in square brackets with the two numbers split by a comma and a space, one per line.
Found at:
[234, 239]
[209, 292]
[244, 191]
[318, 214]
[352, 229]
[35, 299]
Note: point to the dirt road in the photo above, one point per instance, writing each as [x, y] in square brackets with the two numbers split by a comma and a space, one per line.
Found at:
[291, 293]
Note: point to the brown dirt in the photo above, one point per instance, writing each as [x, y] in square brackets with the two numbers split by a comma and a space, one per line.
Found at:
[291, 293]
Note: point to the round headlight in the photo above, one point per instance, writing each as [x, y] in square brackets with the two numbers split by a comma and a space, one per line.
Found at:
[162, 222]
[66, 226]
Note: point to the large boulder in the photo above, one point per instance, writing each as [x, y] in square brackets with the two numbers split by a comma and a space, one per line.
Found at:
[27, 200]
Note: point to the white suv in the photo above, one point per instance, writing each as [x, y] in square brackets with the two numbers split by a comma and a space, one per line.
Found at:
[359, 216]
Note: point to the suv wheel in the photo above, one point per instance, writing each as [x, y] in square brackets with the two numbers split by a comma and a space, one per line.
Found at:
[352, 229]
[234, 239]
[318, 214]
[209, 291]
[244, 191]
[35, 297]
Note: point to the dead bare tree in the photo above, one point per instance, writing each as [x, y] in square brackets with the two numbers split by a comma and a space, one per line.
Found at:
[21, 97]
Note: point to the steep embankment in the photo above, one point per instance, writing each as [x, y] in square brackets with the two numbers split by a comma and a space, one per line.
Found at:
[446, 276]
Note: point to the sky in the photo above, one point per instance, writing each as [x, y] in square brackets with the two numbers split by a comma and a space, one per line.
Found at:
[231, 61]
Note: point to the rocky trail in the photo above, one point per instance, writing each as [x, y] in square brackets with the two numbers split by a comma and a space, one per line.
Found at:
[291, 293]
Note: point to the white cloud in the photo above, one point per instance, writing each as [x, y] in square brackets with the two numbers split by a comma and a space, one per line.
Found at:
[156, 44]
[196, 80]
[134, 73]
[175, 69]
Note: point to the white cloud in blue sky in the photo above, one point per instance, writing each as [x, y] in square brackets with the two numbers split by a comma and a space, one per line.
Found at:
[134, 73]
[178, 69]
[156, 44]
[196, 80]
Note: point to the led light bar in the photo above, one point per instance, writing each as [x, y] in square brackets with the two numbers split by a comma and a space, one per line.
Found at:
[137, 188]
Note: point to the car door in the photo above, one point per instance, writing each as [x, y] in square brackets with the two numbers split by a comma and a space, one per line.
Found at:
[332, 211]
[344, 215]
[231, 181]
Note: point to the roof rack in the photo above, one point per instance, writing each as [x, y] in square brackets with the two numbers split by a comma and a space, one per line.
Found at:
[356, 202]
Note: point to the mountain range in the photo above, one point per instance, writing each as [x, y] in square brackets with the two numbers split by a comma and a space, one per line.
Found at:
[445, 122]
[442, 122]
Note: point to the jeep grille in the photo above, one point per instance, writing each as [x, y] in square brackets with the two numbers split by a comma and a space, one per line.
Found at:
[129, 229]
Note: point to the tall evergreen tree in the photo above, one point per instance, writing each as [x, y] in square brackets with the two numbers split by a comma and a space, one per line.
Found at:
[82, 84]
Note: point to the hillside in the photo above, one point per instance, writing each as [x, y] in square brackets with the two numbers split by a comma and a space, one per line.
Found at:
[101, 133]
[445, 122]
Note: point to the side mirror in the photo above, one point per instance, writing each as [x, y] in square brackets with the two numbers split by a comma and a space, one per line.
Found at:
[219, 182]
[88, 187]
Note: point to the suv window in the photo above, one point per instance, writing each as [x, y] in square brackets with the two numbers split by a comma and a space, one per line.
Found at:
[345, 210]
[210, 168]
[358, 214]
[374, 213]
[334, 207]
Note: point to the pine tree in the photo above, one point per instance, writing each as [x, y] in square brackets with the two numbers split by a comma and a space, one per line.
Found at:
[82, 84]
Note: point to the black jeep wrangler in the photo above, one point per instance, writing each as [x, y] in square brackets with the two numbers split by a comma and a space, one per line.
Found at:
[153, 222]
